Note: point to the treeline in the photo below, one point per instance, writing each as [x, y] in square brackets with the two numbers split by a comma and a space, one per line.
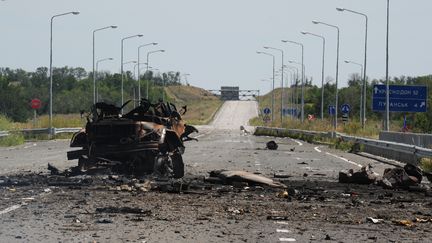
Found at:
[420, 122]
[72, 89]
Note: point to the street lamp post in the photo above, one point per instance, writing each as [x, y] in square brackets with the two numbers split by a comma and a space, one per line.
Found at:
[51, 71]
[282, 79]
[337, 68]
[387, 123]
[302, 91]
[364, 94]
[322, 70]
[361, 73]
[147, 68]
[97, 69]
[303, 76]
[139, 78]
[293, 78]
[273, 82]
[94, 75]
[121, 62]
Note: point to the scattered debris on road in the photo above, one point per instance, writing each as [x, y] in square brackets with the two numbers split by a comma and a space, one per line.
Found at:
[364, 176]
[272, 145]
[232, 176]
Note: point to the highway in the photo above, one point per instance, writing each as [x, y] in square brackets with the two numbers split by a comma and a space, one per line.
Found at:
[318, 209]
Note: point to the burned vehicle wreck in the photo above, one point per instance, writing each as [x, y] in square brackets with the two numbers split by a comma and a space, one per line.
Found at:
[148, 139]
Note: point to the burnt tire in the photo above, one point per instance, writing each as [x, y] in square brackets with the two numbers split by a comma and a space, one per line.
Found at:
[178, 165]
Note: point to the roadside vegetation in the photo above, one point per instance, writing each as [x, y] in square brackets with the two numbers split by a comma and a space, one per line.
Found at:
[416, 122]
[73, 97]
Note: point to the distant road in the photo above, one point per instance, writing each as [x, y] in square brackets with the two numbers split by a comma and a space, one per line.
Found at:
[233, 114]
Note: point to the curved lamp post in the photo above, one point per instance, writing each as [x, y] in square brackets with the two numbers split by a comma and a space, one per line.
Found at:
[147, 68]
[322, 69]
[97, 68]
[337, 67]
[51, 71]
[121, 62]
[273, 82]
[363, 116]
[94, 75]
[303, 75]
[139, 62]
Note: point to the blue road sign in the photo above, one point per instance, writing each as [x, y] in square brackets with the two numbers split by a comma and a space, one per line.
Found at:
[345, 108]
[332, 110]
[267, 111]
[403, 98]
[289, 112]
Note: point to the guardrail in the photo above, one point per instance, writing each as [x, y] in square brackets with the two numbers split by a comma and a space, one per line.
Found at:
[4, 133]
[418, 152]
[37, 131]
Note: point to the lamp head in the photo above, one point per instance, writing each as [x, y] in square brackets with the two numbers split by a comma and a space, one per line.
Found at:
[140, 35]
[284, 41]
[162, 50]
[113, 26]
[340, 9]
[304, 32]
[111, 58]
[154, 43]
[347, 61]
[266, 47]
[75, 13]
[315, 22]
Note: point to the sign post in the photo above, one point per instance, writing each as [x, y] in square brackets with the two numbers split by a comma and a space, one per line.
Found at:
[35, 104]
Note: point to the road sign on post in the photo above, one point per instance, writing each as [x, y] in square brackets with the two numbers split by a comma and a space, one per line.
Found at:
[266, 111]
[35, 103]
[345, 108]
[331, 110]
[403, 98]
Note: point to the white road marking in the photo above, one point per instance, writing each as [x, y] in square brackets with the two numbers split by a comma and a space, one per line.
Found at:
[298, 142]
[317, 149]
[17, 206]
[10, 209]
[281, 222]
[287, 239]
[349, 161]
[283, 231]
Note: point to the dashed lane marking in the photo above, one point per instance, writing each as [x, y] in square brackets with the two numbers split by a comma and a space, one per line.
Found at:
[349, 161]
[10, 209]
[283, 231]
[317, 149]
[287, 239]
[344, 159]
[281, 222]
[298, 142]
[17, 206]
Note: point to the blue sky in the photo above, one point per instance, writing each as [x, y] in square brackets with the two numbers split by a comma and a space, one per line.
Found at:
[216, 41]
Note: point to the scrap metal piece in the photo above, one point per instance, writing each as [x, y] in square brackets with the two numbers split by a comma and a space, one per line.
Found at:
[230, 176]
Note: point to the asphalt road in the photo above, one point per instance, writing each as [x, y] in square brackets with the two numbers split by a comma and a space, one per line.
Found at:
[219, 214]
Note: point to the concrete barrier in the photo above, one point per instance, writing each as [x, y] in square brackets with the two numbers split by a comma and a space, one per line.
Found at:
[421, 140]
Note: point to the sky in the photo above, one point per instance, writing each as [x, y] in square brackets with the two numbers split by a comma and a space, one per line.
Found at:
[216, 41]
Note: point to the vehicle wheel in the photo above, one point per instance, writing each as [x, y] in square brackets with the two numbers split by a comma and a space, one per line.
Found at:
[178, 165]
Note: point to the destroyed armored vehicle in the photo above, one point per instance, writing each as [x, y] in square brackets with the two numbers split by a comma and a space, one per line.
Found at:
[148, 139]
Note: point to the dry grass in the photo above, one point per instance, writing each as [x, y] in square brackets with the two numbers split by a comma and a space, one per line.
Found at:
[59, 120]
[202, 105]
[371, 129]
